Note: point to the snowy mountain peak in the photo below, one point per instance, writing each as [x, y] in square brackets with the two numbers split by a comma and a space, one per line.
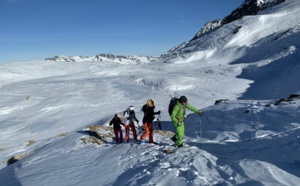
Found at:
[249, 7]
[236, 31]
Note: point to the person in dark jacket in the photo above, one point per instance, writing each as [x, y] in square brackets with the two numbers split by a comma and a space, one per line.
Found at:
[116, 122]
[149, 113]
[129, 116]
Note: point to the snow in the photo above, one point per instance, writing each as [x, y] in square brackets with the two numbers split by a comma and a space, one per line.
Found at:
[46, 108]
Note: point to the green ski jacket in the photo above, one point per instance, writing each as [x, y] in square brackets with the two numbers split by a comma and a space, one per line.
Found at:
[178, 112]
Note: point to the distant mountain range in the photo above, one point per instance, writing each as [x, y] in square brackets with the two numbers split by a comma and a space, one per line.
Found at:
[105, 57]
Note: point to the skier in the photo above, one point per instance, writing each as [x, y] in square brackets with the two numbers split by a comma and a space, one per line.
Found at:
[178, 116]
[116, 122]
[129, 116]
[149, 113]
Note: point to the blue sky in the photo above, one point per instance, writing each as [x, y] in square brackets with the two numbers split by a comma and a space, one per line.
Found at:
[37, 29]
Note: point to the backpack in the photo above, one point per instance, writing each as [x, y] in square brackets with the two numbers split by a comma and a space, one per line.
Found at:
[172, 103]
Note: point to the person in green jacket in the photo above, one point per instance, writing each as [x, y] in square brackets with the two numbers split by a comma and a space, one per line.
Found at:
[177, 117]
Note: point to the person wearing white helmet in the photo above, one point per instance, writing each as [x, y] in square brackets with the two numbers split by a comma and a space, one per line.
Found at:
[130, 117]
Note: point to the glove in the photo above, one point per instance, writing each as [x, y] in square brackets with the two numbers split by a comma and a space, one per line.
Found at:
[200, 113]
[179, 123]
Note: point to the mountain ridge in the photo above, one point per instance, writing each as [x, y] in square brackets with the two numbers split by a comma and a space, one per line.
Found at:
[105, 57]
[249, 7]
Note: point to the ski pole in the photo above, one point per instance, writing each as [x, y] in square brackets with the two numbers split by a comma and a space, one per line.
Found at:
[200, 122]
[158, 123]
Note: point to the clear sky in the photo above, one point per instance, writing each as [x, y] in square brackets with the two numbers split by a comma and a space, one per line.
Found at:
[37, 29]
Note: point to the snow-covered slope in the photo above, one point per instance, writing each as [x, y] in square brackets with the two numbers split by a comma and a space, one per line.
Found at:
[268, 40]
[46, 106]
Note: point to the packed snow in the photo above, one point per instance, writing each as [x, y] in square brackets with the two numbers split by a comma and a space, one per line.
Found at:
[245, 137]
